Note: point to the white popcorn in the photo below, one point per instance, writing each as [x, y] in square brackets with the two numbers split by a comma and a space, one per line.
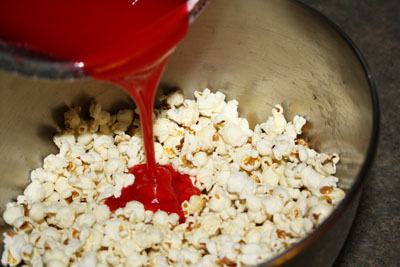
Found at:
[39, 175]
[134, 211]
[65, 216]
[186, 115]
[56, 164]
[228, 113]
[310, 177]
[175, 98]
[55, 257]
[190, 256]
[264, 147]
[120, 181]
[326, 164]
[14, 247]
[283, 146]
[162, 128]
[254, 203]
[206, 137]
[85, 139]
[136, 260]
[282, 192]
[102, 212]
[247, 158]
[298, 122]
[253, 236]
[61, 185]
[272, 204]
[161, 156]
[158, 260]
[87, 219]
[275, 124]
[320, 211]
[303, 155]
[209, 103]
[297, 226]
[270, 176]
[88, 260]
[262, 190]
[148, 236]
[219, 202]
[211, 223]
[237, 226]
[114, 165]
[35, 192]
[160, 219]
[233, 135]
[236, 182]
[13, 211]
[250, 254]
[200, 159]
[36, 213]
[23, 224]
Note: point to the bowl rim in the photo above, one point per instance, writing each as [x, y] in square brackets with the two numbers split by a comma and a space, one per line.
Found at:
[362, 175]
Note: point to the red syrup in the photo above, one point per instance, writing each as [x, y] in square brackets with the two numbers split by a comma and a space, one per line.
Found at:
[125, 42]
[165, 194]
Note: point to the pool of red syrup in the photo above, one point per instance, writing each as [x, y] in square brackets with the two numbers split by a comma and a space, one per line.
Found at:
[154, 193]
[125, 42]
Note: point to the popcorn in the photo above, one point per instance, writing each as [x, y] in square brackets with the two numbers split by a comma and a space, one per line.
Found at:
[87, 219]
[272, 204]
[200, 159]
[209, 103]
[148, 236]
[61, 185]
[250, 253]
[101, 117]
[219, 201]
[233, 135]
[55, 257]
[310, 177]
[65, 216]
[186, 115]
[236, 182]
[23, 224]
[14, 248]
[175, 99]
[13, 211]
[136, 260]
[262, 190]
[275, 124]
[160, 219]
[253, 236]
[36, 213]
[283, 146]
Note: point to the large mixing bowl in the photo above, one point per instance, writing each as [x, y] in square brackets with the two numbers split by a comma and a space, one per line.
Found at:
[259, 52]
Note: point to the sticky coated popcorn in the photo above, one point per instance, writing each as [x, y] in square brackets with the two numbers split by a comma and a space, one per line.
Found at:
[263, 189]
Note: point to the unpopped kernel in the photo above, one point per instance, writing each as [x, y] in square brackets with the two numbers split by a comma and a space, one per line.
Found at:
[263, 189]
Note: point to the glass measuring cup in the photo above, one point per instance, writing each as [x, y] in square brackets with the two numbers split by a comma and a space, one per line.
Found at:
[24, 61]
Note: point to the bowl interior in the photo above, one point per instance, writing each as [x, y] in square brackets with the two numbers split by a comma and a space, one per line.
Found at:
[261, 53]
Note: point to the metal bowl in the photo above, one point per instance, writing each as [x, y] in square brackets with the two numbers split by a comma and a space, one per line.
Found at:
[261, 52]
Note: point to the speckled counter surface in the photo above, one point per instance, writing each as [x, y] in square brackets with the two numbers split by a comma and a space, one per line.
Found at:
[374, 25]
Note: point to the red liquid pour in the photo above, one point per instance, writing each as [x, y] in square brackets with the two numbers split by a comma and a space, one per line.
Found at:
[165, 194]
[125, 42]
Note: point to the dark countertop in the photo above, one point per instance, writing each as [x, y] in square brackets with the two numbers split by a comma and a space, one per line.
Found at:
[374, 25]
